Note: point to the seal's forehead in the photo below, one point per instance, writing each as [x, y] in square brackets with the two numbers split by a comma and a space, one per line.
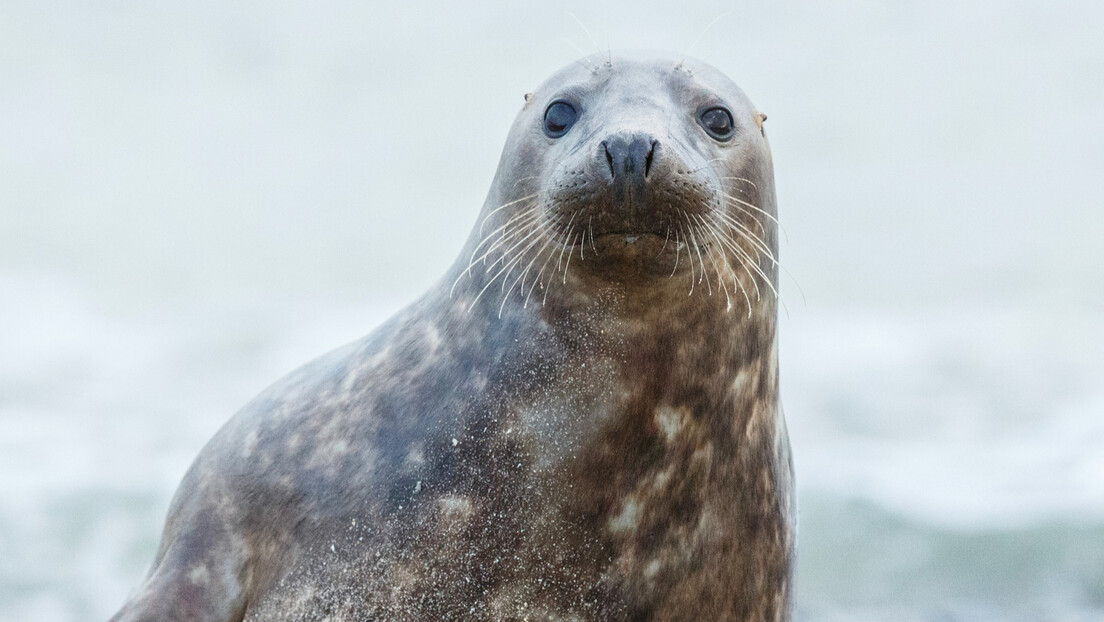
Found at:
[644, 69]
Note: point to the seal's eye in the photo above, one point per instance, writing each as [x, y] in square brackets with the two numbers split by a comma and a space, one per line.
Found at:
[718, 122]
[559, 118]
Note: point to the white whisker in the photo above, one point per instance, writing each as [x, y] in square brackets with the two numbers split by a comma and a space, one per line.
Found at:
[567, 266]
[678, 250]
[521, 277]
[501, 207]
[504, 268]
[745, 259]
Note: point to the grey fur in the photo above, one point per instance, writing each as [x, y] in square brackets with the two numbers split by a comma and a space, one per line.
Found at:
[597, 444]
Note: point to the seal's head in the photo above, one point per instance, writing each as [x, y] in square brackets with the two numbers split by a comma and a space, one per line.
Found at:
[644, 167]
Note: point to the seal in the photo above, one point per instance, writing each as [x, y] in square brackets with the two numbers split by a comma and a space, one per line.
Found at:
[580, 421]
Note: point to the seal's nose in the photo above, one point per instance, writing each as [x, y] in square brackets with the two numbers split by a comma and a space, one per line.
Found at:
[629, 157]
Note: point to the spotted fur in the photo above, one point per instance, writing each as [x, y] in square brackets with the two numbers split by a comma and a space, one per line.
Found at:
[580, 422]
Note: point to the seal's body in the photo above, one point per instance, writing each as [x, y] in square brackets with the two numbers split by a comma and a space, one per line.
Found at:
[579, 422]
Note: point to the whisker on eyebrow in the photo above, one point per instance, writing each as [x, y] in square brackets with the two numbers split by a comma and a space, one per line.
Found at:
[589, 36]
[702, 34]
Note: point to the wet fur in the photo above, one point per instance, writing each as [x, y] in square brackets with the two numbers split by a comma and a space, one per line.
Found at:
[600, 440]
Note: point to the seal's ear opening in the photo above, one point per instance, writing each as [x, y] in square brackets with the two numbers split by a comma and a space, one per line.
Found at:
[759, 119]
[528, 96]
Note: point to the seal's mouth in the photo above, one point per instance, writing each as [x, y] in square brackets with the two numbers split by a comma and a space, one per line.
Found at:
[643, 246]
[630, 237]
[666, 239]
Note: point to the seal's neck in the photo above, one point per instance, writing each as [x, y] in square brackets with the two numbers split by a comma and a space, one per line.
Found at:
[658, 333]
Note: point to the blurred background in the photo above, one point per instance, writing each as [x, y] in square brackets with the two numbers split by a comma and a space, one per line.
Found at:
[197, 197]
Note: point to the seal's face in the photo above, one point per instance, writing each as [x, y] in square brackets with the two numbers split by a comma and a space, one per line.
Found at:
[641, 168]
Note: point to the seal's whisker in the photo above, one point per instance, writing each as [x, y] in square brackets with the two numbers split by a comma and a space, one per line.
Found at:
[730, 221]
[708, 284]
[537, 279]
[690, 258]
[589, 36]
[728, 242]
[495, 237]
[737, 288]
[569, 228]
[502, 244]
[521, 277]
[500, 273]
[744, 179]
[505, 237]
[516, 241]
[678, 250]
[705, 165]
[697, 247]
[585, 55]
[762, 245]
[518, 255]
[508, 233]
[665, 239]
[741, 229]
[746, 259]
[501, 207]
[751, 216]
[712, 252]
[760, 210]
[714, 232]
[521, 219]
[743, 258]
[590, 225]
[567, 266]
[756, 264]
[547, 288]
[724, 240]
[527, 177]
[753, 206]
[550, 240]
[694, 232]
[702, 34]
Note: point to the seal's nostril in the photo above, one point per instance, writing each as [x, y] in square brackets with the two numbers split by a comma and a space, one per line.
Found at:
[609, 158]
[629, 157]
[648, 158]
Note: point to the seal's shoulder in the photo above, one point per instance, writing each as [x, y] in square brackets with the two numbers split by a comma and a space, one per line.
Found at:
[314, 412]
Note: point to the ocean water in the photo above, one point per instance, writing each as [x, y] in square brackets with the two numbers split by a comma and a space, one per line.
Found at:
[949, 466]
[195, 199]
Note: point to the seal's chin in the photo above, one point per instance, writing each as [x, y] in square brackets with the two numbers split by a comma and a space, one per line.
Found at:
[626, 239]
[619, 254]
